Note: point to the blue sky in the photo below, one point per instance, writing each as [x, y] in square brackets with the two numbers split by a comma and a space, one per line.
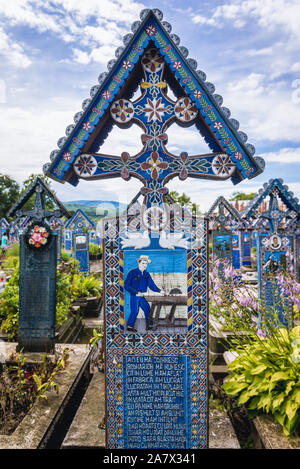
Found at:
[53, 51]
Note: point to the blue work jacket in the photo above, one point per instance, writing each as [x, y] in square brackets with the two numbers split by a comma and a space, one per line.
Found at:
[138, 282]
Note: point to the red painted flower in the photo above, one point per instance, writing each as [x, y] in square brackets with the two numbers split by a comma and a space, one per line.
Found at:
[67, 156]
[152, 61]
[151, 30]
[238, 155]
[197, 94]
[106, 94]
[155, 109]
[155, 165]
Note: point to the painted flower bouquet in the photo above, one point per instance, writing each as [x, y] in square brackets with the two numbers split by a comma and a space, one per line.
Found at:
[38, 236]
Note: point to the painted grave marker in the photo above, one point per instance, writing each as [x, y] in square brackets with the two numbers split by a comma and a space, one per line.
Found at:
[38, 262]
[273, 257]
[276, 221]
[155, 261]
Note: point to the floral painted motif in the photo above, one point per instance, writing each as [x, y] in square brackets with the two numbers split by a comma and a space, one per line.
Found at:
[86, 126]
[85, 165]
[177, 64]
[218, 125]
[106, 94]
[38, 236]
[154, 84]
[185, 110]
[126, 64]
[122, 111]
[154, 110]
[222, 165]
[154, 138]
[152, 61]
[154, 191]
[67, 156]
[197, 94]
[151, 30]
[238, 155]
[154, 165]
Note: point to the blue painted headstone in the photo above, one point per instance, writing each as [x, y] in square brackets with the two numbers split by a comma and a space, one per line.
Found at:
[157, 382]
[37, 298]
[246, 248]
[81, 251]
[273, 258]
[236, 261]
[156, 344]
[38, 262]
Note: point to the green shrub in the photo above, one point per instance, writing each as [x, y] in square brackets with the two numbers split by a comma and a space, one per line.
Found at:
[9, 306]
[265, 377]
[64, 255]
[11, 257]
[94, 249]
[84, 287]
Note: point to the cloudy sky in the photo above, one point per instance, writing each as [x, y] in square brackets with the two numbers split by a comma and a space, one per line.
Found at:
[53, 51]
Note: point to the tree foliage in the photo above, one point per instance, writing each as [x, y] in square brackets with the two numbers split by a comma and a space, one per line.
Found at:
[9, 194]
[185, 201]
[242, 196]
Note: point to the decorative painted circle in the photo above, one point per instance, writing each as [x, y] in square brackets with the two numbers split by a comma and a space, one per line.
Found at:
[155, 218]
[185, 110]
[85, 165]
[122, 111]
[152, 61]
[222, 165]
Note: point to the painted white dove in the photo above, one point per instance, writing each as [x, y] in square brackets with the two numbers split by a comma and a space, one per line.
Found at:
[136, 240]
[172, 240]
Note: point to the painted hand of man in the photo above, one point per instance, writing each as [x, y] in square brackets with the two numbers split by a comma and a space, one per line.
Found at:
[140, 294]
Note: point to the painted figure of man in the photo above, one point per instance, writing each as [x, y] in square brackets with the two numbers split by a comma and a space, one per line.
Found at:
[137, 283]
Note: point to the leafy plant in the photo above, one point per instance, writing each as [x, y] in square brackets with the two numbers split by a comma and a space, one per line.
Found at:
[11, 257]
[84, 287]
[64, 255]
[22, 384]
[9, 306]
[265, 377]
[94, 249]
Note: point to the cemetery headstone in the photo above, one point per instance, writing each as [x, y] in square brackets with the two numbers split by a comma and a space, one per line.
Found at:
[246, 243]
[155, 261]
[281, 208]
[78, 223]
[224, 221]
[273, 258]
[38, 262]
[81, 251]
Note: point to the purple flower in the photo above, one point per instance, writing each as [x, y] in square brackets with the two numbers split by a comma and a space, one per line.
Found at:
[261, 333]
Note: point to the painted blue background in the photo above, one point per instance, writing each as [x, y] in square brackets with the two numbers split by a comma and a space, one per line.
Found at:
[161, 261]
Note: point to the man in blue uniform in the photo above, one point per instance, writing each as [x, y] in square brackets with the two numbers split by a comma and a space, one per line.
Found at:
[137, 283]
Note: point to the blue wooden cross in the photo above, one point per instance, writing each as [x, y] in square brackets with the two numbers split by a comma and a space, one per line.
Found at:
[154, 111]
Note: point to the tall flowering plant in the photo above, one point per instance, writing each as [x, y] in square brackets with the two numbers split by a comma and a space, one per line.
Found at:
[233, 303]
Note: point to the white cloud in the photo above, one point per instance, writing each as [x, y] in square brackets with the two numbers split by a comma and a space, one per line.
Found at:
[270, 14]
[13, 51]
[283, 156]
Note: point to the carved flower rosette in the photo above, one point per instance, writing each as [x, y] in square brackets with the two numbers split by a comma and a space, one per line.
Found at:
[38, 235]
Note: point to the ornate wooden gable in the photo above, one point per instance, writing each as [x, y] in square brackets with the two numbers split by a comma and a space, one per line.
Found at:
[274, 216]
[230, 220]
[152, 58]
[79, 220]
[40, 189]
